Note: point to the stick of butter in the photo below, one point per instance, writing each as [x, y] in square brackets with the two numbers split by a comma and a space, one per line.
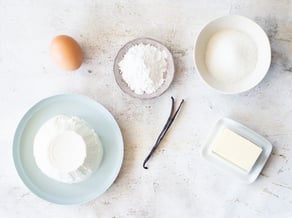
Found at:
[236, 149]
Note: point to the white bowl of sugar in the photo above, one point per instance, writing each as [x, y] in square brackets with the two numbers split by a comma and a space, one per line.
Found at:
[232, 54]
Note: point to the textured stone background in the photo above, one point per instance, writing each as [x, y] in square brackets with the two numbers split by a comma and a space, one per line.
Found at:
[179, 182]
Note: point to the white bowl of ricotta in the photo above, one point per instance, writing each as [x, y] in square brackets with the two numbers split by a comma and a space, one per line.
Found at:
[232, 54]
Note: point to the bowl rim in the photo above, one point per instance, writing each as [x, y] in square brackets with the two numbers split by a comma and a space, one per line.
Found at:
[263, 35]
[169, 74]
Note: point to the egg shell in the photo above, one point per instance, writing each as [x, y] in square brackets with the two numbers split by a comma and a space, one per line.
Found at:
[66, 52]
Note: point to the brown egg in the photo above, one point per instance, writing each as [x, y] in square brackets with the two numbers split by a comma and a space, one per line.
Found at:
[66, 52]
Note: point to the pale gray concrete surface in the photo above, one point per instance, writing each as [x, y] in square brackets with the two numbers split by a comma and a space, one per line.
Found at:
[179, 183]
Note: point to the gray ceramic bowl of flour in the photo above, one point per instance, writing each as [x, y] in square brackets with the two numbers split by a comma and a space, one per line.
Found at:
[168, 74]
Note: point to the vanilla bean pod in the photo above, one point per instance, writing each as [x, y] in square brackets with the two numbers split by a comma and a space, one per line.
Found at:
[167, 125]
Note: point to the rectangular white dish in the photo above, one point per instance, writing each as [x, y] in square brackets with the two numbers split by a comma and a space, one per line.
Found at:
[265, 145]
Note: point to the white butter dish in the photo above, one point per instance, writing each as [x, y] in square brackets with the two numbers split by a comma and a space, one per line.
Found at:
[242, 131]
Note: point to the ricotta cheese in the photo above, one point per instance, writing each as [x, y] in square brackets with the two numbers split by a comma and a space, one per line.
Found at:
[67, 149]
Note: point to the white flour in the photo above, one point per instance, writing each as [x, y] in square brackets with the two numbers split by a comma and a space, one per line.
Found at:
[230, 55]
[143, 67]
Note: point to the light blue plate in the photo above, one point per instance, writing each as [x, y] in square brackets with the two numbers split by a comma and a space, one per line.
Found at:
[99, 119]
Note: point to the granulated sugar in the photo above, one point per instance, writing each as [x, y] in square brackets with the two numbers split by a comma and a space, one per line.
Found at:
[143, 67]
[230, 55]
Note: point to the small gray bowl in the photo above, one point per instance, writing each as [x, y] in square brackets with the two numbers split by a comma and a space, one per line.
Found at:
[168, 75]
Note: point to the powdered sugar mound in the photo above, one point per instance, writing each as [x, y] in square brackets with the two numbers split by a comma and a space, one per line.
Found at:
[143, 67]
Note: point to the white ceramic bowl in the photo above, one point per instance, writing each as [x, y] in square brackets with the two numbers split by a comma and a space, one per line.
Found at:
[255, 33]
